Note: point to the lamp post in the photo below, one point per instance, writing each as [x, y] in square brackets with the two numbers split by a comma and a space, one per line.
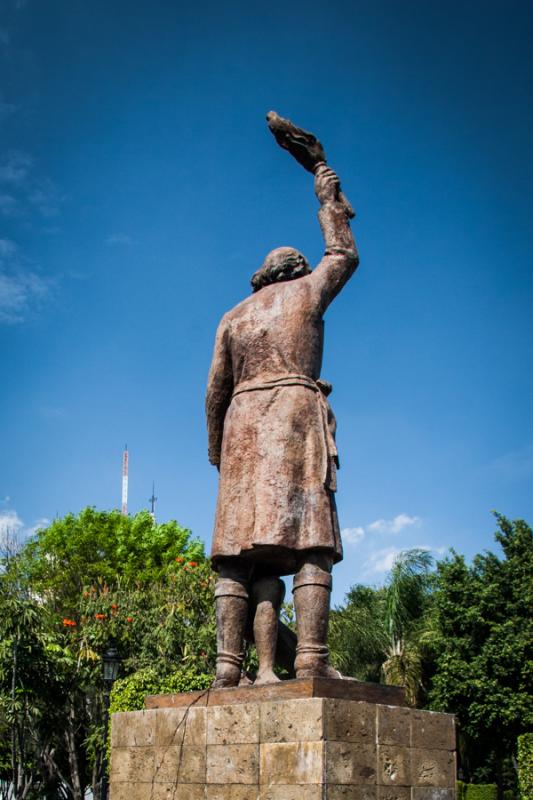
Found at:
[110, 668]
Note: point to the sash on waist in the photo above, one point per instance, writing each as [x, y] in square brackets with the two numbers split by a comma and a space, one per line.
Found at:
[331, 456]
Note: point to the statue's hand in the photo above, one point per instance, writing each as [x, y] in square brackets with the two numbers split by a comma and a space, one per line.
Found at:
[327, 184]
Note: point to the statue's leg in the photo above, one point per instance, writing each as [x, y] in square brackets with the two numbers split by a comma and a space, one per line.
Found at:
[267, 594]
[231, 598]
[312, 589]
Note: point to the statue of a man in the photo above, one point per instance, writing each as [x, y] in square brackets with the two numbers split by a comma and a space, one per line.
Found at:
[271, 434]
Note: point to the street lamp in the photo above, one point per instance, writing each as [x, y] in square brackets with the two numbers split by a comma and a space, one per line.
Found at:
[110, 668]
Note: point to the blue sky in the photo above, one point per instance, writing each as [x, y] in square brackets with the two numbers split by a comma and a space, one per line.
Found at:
[140, 189]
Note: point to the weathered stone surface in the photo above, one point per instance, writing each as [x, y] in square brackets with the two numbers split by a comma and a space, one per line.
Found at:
[394, 765]
[432, 767]
[351, 792]
[286, 749]
[182, 763]
[394, 793]
[133, 729]
[285, 792]
[132, 764]
[232, 791]
[237, 724]
[172, 791]
[233, 763]
[350, 722]
[432, 730]
[432, 793]
[394, 725]
[180, 726]
[292, 721]
[351, 762]
[125, 790]
[292, 763]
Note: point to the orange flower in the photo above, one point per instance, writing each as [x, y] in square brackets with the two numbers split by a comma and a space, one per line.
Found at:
[193, 563]
[180, 559]
[129, 619]
[69, 623]
[114, 605]
[99, 616]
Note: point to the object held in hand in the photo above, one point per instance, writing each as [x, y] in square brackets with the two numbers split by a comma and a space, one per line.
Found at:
[303, 146]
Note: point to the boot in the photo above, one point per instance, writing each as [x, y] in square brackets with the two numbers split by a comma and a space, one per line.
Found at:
[231, 598]
[312, 588]
[267, 594]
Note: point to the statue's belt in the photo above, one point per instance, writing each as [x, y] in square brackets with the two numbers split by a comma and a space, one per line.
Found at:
[331, 459]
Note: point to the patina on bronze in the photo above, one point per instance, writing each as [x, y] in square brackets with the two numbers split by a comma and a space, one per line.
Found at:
[271, 433]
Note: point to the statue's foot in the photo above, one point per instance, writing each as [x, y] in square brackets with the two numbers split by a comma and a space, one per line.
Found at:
[266, 676]
[319, 671]
[228, 675]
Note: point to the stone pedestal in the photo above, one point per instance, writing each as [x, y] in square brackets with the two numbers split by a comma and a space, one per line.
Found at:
[299, 740]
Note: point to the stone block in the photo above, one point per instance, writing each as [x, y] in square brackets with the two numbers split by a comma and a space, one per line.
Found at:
[237, 724]
[350, 722]
[434, 768]
[303, 742]
[231, 791]
[351, 792]
[133, 729]
[130, 790]
[233, 763]
[394, 725]
[394, 793]
[173, 791]
[175, 726]
[432, 793]
[432, 730]
[135, 764]
[297, 792]
[292, 721]
[350, 762]
[182, 763]
[292, 763]
[394, 766]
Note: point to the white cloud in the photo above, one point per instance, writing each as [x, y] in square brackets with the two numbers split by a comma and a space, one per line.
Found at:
[382, 560]
[352, 535]
[10, 523]
[21, 288]
[41, 523]
[19, 293]
[395, 525]
[15, 167]
[119, 238]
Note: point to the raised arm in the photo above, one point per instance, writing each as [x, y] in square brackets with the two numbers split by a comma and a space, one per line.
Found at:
[219, 391]
[340, 258]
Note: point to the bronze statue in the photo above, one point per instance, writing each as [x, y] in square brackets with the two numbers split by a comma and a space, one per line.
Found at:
[272, 436]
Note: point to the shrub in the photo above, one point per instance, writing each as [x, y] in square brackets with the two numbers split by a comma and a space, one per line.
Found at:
[525, 766]
[128, 693]
[480, 791]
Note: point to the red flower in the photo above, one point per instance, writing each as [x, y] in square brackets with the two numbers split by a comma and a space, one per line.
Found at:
[129, 619]
[69, 623]
[99, 616]
[193, 563]
[114, 605]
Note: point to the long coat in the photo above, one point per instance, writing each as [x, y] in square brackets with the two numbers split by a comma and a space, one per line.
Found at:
[267, 419]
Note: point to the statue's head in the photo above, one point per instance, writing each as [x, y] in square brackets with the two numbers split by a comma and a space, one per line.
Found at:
[281, 264]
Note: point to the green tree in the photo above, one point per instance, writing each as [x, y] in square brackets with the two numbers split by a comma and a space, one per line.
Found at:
[83, 582]
[380, 634]
[483, 641]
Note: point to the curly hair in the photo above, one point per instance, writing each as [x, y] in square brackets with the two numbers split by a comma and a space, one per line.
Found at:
[281, 264]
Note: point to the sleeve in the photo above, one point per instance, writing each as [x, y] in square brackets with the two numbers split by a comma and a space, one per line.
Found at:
[340, 258]
[219, 391]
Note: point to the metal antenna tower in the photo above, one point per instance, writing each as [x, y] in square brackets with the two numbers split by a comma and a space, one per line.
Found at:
[152, 501]
[125, 481]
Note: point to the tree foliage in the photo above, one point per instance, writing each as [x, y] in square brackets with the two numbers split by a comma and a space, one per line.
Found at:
[483, 644]
[86, 581]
